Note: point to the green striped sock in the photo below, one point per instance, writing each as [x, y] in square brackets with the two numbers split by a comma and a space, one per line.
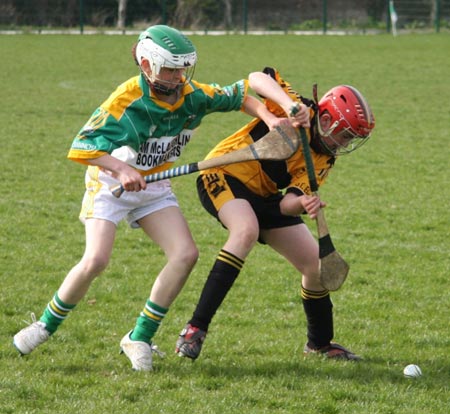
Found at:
[148, 322]
[55, 313]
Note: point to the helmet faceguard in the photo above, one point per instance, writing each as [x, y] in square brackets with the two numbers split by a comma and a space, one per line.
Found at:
[165, 47]
[350, 120]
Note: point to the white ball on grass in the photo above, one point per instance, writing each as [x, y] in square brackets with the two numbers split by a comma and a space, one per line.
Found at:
[412, 371]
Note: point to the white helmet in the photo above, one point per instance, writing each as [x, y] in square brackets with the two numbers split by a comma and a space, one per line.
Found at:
[165, 47]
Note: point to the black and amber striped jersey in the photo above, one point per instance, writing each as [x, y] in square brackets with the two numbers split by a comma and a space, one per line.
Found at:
[265, 177]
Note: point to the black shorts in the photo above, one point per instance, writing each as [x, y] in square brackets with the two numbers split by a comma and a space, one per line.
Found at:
[214, 190]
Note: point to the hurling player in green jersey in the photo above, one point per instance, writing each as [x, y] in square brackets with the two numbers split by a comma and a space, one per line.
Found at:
[141, 129]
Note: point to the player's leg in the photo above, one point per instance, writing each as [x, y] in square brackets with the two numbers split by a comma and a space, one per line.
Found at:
[100, 235]
[99, 241]
[299, 247]
[238, 217]
[168, 228]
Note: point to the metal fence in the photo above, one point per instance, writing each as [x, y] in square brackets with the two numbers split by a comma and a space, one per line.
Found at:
[226, 15]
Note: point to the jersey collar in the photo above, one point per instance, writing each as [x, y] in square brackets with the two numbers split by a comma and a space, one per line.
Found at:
[144, 86]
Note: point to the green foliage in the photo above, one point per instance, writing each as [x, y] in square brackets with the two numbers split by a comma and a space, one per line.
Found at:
[387, 211]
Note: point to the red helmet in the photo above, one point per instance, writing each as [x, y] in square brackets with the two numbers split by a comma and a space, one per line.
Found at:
[351, 123]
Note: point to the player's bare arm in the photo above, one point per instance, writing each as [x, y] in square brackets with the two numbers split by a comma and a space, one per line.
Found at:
[293, 205]
[257, 109]
[265, 85]
[130, 179]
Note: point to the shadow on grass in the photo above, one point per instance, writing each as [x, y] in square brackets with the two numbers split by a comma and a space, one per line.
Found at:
[63, 361]
[368, 371]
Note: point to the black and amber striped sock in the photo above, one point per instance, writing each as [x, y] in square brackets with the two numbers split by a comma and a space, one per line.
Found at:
[220, 280]
[319, 315]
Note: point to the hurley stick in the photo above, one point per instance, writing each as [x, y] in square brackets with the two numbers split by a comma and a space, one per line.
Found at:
[333, 268]
[278, 144]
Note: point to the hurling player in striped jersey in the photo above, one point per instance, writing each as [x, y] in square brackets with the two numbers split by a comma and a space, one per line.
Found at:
[262, 201]
[141, 129]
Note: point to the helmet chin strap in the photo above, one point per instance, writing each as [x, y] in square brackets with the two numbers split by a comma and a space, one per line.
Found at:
[319, 127]
[164, 90]
[316, 141]
[314, 92]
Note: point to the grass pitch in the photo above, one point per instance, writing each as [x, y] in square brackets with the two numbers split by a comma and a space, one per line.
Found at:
[387, 211]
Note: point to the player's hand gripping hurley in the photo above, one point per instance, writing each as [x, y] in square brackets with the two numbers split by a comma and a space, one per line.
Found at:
[333, 268]
[278, 144]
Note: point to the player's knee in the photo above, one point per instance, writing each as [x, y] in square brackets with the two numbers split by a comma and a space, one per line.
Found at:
[191, 255]
[311, 272]
[94, 265]
[246, 235]
[187, 255]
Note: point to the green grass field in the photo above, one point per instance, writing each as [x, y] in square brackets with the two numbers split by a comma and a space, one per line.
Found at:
[388, 211]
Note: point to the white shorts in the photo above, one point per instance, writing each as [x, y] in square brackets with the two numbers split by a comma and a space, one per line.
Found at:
[100, 203]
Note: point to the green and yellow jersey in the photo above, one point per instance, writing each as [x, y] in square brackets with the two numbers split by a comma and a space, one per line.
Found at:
[266, 178]
[148, 134]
